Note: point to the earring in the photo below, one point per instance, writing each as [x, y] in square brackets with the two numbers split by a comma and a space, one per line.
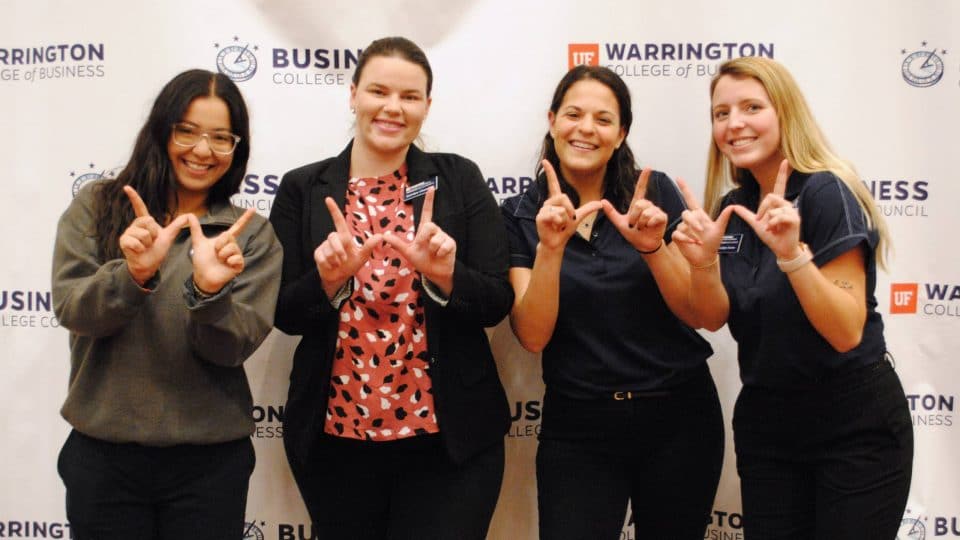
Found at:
[353, 111]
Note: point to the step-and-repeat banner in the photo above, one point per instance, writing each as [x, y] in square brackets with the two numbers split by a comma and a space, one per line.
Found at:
[77, 79]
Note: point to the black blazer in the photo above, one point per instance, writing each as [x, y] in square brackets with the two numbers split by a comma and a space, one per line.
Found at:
[470, 402]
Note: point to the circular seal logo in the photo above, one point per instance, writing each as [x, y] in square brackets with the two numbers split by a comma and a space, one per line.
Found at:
[922, 68]
[911, 529]
[80, 181]
[251, 531]
[237, 62]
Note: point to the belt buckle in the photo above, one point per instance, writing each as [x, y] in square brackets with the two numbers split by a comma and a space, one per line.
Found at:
[620, 396]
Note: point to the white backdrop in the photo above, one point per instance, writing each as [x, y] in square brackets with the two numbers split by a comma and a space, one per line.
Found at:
[77, 79]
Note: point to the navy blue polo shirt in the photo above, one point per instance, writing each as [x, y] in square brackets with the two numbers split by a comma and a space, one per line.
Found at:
[777, 345]
[614, 331]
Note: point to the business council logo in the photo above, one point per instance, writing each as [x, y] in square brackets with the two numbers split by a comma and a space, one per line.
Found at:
[252, 531]
[79, 179]
[237, 61]
[922, 67]
[912, 527]
[664, 59]
[900, 198]
[931, 300]
[43, 62]
[257, 191]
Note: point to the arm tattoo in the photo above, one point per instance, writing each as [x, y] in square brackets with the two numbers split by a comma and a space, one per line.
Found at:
[842, 283]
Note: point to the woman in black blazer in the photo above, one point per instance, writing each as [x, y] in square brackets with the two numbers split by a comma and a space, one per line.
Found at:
[393, 265]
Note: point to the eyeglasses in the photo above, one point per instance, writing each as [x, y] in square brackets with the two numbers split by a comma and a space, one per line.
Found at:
[220, 142]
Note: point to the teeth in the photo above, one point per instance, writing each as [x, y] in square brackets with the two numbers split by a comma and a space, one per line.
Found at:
[741, 142]
[585, 146]
[197, 166]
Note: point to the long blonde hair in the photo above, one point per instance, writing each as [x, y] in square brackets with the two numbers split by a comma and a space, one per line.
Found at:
[801, 142]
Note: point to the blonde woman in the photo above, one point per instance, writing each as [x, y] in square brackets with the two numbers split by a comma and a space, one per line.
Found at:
[788, 258]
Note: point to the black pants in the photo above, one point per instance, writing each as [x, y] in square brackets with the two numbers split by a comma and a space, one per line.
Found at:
[405, 489]
[663, 453]
[833, 462]
[125, 491]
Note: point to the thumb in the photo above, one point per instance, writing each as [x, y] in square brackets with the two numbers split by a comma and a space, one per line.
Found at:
[724, 218]
[196, 233]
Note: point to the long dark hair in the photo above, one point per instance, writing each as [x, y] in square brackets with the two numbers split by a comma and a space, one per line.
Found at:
[395, 46]
[149, 169]
[621, 175]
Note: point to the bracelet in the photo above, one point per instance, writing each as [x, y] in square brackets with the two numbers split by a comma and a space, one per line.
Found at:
[797, 262]
[200, 293]
[652, 251]
[708, 265]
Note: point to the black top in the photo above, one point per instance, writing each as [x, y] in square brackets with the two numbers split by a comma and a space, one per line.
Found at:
[614, 331]
[778, 347]
[470, 402]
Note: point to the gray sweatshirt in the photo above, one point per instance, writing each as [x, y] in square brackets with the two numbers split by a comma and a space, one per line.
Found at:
[161, 367]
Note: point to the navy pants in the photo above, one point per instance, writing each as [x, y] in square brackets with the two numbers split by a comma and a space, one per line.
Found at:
[831, 462]
[404, 489]
[124, 491]
[662, 452]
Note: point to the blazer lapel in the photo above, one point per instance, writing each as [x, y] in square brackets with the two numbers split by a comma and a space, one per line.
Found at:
[420, 168]
[331, 183]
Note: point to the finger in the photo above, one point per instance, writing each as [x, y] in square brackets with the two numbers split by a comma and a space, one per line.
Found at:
[724, 218]
[780, 186]
[130, 244]
[449, 246]
[335, 248]
[196, 233]
[398, 243]
[426, 213]
[141, 235]
[339, 223]
[239, 225]
[745, 214]
[684, 235]
[587, 209]
[370, 244]
[640, 191]
[139, 207]
[436, 240]
[652, 217]
[553, 185]
[636, 210]
[227, 251]
[235, 262]
[688, 197]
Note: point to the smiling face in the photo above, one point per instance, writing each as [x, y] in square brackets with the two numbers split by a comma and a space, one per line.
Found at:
[391, 102]
[746, 128]
[586, 129]
[198, 168]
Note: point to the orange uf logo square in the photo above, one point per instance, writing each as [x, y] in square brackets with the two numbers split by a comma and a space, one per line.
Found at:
[583, 54]
[903, 298]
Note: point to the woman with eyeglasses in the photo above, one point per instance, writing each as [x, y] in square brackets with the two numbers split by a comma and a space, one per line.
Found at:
[166, 289]
[393, 265]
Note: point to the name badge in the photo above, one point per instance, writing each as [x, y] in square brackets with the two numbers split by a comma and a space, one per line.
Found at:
[730, 243]
[419, 190]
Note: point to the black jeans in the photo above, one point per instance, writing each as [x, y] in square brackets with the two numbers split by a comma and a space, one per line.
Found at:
[123, 491]
[830, 462]
[661, 452]
[404, 489]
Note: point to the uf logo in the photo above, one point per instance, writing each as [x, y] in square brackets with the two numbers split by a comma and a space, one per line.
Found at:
[903, 298]
[587, 54]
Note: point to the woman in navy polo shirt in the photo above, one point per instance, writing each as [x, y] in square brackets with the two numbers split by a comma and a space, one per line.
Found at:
[822, 429]
[631, 412]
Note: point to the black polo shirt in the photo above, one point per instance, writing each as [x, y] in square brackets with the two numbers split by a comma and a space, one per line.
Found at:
[778, 347]
[614, 331]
